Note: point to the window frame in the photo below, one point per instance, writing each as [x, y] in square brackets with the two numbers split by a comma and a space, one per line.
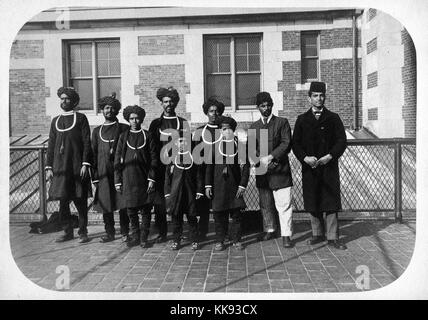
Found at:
[316, 33]
[67, 80]
[233, 73]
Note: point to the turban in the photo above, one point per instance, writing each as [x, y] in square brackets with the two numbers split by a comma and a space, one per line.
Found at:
[134, 109]
[317, 87]
[111, 101]
[228, 120]
[213, 102]
[71, 94]
[262, 97]
[170, 92]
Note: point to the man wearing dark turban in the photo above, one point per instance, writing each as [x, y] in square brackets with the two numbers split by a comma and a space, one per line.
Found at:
[168, 98]
[69, 157]
[319, 139]
[104, 142]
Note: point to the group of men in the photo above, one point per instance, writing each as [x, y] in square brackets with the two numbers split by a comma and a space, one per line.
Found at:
[118, 155]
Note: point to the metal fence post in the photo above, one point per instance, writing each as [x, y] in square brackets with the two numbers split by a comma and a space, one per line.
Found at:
[42, 184]
[398, 182]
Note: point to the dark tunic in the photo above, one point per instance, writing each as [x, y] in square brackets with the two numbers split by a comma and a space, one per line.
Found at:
[181, 184]
[133, 167]
[207, 136]
[67, 151]
[312, 137]
[277, 176]
[106, 198]
[225, 178]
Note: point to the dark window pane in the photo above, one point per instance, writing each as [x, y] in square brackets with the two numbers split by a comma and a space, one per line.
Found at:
[74, 52]
[114, 67]
[75, 69]
[254, 45]
[102, 67]
[84, 88]
[114, 50]
[210, 48]
[309, 39]
[86, 69]
[102, 50]
[107, 86]
[241, 63]
[247, 86]
[86, 51]
[309, 69]
[211, 64]
[311, 51]
[240, 47]
[219, 86]
[224, 64]
[254, 63]
[224, 46]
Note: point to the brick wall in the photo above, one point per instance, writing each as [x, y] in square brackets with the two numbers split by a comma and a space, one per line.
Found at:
[336, 38]
[154, 77]
[291, 40]
[157, 45]
[372, 113]
[27, 49]
[409, 82]
[372, 80]
[28, 101]
[371, 45]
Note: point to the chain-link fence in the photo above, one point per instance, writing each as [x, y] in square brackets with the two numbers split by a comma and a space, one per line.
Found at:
[376, 176]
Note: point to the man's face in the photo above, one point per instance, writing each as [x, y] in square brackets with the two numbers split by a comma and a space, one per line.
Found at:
[213, 114]
[265, 109]
[317, 99]
[168, 105]
[65, 102]
[227, 131]
[135, 121]
[109, 112]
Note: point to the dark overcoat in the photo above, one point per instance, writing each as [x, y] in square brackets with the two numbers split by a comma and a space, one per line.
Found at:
[133, 168]
[312, 137]
[67, 151]
[104, 146]
[278, 175]
[225, 179]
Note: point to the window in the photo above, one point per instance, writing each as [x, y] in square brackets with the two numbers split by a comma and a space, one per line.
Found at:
[233, 69]
[310, 56]
[93, 69]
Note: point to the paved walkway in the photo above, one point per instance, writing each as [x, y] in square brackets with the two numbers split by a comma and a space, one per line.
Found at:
[383, 246]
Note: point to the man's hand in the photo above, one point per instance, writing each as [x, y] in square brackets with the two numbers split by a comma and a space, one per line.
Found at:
[264, 161]
[198, 196]
[118, 188]
[83, 172]
[324, 160]
[209, 192]
[49, 174]
[95, 183]
[151, 186]
[311, 161]
[239, 193]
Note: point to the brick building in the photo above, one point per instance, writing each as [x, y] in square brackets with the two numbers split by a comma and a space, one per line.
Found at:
[231, 53]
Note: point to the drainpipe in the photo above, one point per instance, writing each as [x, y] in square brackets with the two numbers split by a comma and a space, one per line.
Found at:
[355, 73]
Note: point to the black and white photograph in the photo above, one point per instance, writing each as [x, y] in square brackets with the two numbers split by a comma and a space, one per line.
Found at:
[239, 150]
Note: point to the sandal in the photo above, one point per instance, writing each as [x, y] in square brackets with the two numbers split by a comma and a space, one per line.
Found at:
[219, 246]
[195, 246]
[174, 245]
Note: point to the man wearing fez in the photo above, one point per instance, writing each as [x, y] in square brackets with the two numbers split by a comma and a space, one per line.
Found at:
[69, 158]
[168, 98]
[275, 184]
[104, 143]
[319, 140]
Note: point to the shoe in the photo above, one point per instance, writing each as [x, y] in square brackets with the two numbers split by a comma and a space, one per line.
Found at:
[219, 246]
[286, 242]
[315, 240]
[195, 246]
[132, 242]
[125, 238]
[238, 246]
[144, 244]
[160, 239]
[65, 237]
[175, 245]
[107, 238]
[336, 244]
[83, 238]
[268, 236]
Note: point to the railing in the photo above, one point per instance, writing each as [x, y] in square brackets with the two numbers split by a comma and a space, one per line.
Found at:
[376, 176]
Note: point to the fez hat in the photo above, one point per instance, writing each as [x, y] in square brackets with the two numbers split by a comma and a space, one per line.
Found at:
[317, 87]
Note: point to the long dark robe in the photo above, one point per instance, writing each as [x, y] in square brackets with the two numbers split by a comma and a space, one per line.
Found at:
[106, 198]
[67, 151]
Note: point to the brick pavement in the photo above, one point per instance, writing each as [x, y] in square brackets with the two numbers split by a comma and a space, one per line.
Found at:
[383, 246]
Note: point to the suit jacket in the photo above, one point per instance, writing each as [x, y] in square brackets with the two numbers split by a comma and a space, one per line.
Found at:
[278, 175]
[312, 137]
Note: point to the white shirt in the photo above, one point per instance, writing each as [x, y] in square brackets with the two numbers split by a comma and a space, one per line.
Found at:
[268, 119]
